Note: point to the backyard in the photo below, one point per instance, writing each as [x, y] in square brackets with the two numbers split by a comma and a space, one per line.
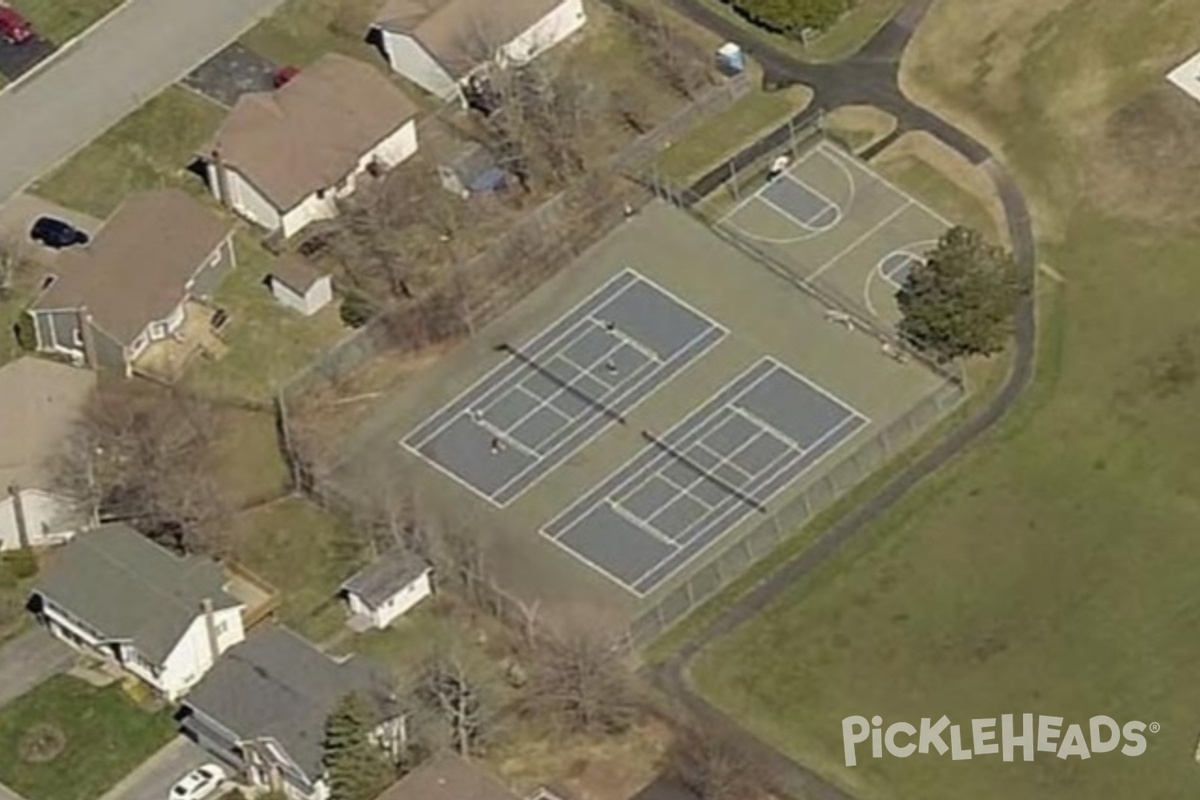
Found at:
[68, 740]
[149, 149]
[1052, 569]
[61, 20]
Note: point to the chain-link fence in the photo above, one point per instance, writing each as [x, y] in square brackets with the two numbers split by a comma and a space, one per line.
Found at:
[789, 518]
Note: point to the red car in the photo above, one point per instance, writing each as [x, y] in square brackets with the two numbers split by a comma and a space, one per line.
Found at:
[13, 27]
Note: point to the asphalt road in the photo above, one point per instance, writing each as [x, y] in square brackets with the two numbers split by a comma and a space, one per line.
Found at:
[868, 76]
[87, 88]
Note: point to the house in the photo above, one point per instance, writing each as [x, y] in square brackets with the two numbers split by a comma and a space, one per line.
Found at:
[163, 618]
[386, 588]
[300, 286]
[440, 45]
[106, 302]
[263, 708]
[448, 777]
[282, 159]
[40, 403]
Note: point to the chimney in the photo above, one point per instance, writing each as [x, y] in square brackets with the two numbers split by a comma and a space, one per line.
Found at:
[14, 492]
[210, 627]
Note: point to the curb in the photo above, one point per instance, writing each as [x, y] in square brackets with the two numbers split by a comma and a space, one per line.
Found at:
[62, 50]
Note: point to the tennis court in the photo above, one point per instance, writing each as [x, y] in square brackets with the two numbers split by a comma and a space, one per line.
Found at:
[841, 227]
[688, 487]
[552, 395]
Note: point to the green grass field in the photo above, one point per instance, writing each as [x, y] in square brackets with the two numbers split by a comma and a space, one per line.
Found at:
[60, 20]
[105, 736]
[149, 149]
[1051, 570]
[302, 31]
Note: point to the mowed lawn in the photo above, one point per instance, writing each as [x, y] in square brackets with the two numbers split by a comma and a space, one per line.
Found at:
[61, 20]
[104, 737]
[1054, 569]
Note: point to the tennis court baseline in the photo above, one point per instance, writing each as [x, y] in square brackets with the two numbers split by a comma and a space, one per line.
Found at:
[551, 396]
[684, 490]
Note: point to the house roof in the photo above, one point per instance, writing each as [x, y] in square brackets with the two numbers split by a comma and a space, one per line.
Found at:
[40, 402]
[311, 133]
[278, 685]
[136, 268]
[458, 33]
[128, 588]
[385, 576]
[666, 787]
[297, 273]
[448, 777]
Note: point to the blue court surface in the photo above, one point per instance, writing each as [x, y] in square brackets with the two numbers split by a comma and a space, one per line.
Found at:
[688, 487]
[552, 395]
[896, 267]
[797, 200]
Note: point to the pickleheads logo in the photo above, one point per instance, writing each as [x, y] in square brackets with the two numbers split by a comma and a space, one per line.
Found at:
[1027, 734]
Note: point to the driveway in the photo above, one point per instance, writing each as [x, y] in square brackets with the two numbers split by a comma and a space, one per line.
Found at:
[155, 776]
[19, 212]
[231, 73]
[17, 59]
[84, 90]
[29, 659]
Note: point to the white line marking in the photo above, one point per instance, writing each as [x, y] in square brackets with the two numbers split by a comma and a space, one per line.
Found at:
[855, 244]
[642, 525]
[875, 176]
[807, 155]
[803, 184]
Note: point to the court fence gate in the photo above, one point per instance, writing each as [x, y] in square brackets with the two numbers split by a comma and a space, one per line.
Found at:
[788, 519]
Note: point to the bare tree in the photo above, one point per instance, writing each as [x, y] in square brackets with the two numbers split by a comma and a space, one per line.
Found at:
[680, 62]
[144, 454]
[582, 680]
[460, 708]
[714, 767]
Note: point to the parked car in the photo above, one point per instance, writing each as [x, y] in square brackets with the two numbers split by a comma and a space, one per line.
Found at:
[199, 783]
[13, 27]
[283, 76]
[56, 234]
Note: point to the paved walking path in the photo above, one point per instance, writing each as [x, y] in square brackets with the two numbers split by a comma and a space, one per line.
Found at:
[87, 88]
[871, 77]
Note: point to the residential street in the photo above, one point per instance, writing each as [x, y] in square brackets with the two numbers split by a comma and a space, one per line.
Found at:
[143, 48]
[155, 776]
[28, 660]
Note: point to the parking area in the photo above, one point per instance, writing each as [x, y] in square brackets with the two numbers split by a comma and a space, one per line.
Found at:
[18, 214]
[17, 59]
[231, 73]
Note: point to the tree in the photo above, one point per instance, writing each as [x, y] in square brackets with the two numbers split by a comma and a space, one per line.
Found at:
[792, 17]
[459, 705]
[145, 454]
[713, 767]
[358, 767]
[581, 679]
[961, 300]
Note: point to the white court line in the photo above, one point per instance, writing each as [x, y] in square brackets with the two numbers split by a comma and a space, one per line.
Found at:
[679, 488]
[683, 304]
[812, 276]
[769, 428]
[741, 203]
[641, 524]
[875, 176]
[725, 459]
[620, 335]
[806, 186]
[870, 276]
[604, 571]
[819, 389]
[837, 214]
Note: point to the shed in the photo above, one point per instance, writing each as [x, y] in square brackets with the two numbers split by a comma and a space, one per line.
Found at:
[386, 588]
[299, 285]
[471, 170]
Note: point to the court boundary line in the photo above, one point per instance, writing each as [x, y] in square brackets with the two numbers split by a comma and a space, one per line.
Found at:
[869, 278]
[862, 166]
[746, 200]
[787, 176]
[854, 245]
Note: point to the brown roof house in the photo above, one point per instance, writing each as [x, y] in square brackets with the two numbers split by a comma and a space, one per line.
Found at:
[440, 44]
[449, 777]
[109, 300]
[40, 403]
[283, 158]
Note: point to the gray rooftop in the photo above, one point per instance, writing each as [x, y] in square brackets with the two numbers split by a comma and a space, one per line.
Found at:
[128, 588]
[278, 685]
[386, 575]
[448, 777]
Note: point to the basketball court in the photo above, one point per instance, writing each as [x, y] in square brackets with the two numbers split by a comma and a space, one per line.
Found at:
[841, 227]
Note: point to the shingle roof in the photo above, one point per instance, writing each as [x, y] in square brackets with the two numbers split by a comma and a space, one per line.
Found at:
[276, 684]
[40, 402]
[311, 133]
[385, 576]
[137, 266]
[456, 32]
[448, 777]
[127, 587]
[297, 273]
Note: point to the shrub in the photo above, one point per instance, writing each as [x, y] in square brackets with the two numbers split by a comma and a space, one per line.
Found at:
[21, 564]
[357, 309]
[792, 17]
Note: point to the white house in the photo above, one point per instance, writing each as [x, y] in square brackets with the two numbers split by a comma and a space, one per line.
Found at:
[438, 45]
[282, 159]
[386, 588]
[40, 402]
[299, 285]
[105, 303]
[263, 709]
[163, 618]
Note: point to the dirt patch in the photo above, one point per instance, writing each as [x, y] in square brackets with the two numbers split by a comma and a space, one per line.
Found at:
[42, 743]
[953, 167]
[1146, 160]
[859, 126]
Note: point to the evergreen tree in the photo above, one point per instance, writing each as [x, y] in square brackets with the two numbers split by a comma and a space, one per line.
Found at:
[358, 768]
